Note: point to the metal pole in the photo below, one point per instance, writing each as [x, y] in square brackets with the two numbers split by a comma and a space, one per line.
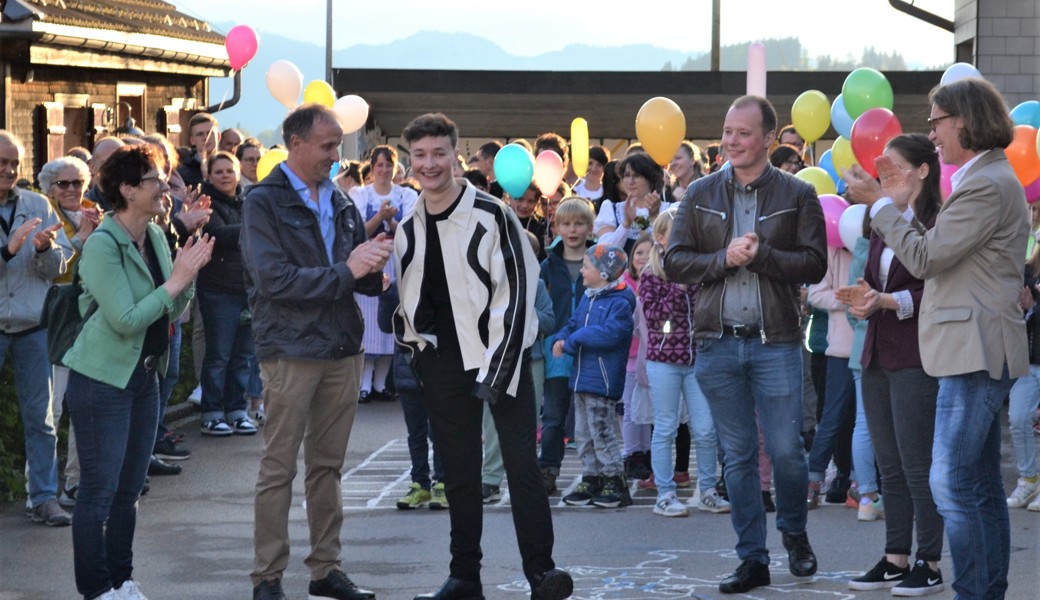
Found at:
[716, 19]
[328, 41]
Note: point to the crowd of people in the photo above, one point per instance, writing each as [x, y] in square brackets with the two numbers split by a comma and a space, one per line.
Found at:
[638, 312]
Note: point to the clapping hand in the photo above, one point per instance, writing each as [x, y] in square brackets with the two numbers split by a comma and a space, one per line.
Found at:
[371, 256]
[45, 237]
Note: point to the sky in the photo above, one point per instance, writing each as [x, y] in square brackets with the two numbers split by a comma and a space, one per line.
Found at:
[531, 27]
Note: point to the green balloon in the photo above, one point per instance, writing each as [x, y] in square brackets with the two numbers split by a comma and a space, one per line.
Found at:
[864, 89]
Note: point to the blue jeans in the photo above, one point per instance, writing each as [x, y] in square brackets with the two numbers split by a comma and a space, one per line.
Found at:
[32, 381]
[669, 385]
[834, 433]
[173, 373]
[1025, 396]
[115, 433]
[554, 418]
[864, 467]
[741, 377]
[418, 424]
[229, 353]
[967, 485]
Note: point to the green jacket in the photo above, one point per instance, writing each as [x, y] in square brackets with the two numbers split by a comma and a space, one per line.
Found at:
[114, 274]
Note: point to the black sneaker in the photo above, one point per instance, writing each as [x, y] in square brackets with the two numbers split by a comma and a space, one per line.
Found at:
[51, 513]
[922, 581]
[491, 493]
[337, 585]
[883, 575]
[167, 449]
[749, 575]
[588, 489]
[614, 493]
[269, 590]
[800, 557]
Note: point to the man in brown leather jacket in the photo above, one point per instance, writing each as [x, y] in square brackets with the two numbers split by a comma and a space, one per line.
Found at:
[749, 236]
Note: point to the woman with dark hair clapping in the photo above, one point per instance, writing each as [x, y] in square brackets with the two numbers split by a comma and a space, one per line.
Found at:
[132, 289]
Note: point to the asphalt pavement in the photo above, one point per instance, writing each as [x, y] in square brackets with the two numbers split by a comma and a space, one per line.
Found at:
[194, 536]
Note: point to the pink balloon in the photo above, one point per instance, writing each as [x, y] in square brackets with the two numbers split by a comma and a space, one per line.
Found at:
[833, 206]
[1033, 191]
[241, 44]
[548, 172]
[945, 172]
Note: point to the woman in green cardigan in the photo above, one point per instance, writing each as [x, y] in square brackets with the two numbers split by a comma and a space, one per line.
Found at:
[113, 391]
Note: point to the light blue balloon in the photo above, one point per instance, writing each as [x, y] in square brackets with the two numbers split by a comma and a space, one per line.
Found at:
[514, 168]
[333, 170]
[840, 119]
[826, 163]
[1027, 113]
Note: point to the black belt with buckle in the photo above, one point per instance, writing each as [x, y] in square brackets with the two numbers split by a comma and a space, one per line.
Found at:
[741, 331]
[150, 362]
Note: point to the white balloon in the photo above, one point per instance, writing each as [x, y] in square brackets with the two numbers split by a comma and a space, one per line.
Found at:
[850, 225]
[352, 112]
[958, 71]
[284, 81]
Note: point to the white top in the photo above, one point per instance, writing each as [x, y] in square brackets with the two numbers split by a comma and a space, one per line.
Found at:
[580, 190]
[369, 201]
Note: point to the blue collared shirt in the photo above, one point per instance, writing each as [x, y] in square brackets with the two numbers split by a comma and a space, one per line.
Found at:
[323, 209]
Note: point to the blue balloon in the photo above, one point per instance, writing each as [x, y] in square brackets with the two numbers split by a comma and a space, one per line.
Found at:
[1027, 113]
[826, 163]
[840, 119]
[514, 168]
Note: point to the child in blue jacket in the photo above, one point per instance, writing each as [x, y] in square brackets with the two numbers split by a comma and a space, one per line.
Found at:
[598, 335]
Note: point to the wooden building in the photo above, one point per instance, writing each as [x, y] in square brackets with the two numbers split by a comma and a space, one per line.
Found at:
[70, 70]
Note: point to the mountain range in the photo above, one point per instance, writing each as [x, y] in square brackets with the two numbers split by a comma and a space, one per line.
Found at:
[257, 113]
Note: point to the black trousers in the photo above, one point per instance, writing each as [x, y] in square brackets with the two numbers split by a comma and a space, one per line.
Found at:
[456, 417]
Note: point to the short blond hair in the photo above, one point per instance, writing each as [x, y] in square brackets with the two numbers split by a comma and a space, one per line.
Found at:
[575, 208]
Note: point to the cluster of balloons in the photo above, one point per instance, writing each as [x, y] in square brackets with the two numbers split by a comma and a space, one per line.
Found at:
[862, 116]
[285, 81]
[1024, 151]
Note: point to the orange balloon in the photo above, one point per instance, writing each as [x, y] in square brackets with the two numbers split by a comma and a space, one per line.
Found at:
[1022, 154]
[660, 127]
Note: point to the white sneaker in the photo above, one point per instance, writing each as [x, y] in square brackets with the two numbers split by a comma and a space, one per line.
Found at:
[1026, 491]
[710, 501]
[196, 395]
[1034, 505]
[109, 595]
[871, 510]
[129, 591]
[670, 506]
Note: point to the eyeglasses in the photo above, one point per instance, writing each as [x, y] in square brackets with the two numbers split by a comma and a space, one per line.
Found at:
[64, 184]
[933, 120]
[160, 179]
[794, 162]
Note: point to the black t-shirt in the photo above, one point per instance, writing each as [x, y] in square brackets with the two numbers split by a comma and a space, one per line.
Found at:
[157, 338]
[434, 314]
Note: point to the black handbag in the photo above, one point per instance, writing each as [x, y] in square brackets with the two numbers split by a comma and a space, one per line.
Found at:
[61, 316]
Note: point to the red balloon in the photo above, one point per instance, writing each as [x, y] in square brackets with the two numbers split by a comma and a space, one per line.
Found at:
[871, 131]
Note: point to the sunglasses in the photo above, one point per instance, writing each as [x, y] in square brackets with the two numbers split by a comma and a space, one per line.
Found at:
[64, 184]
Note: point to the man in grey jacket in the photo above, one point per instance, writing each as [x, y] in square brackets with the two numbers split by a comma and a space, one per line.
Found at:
[305, 252]
[29, 262]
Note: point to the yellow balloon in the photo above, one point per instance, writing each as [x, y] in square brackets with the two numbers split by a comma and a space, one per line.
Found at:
[319, 92]
[580, 146]
[811, 115]
[269, 161]
[842, 154]
[660, 127]
[820, 179]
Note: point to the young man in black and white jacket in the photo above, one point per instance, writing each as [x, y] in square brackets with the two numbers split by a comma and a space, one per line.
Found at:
[467, 278]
